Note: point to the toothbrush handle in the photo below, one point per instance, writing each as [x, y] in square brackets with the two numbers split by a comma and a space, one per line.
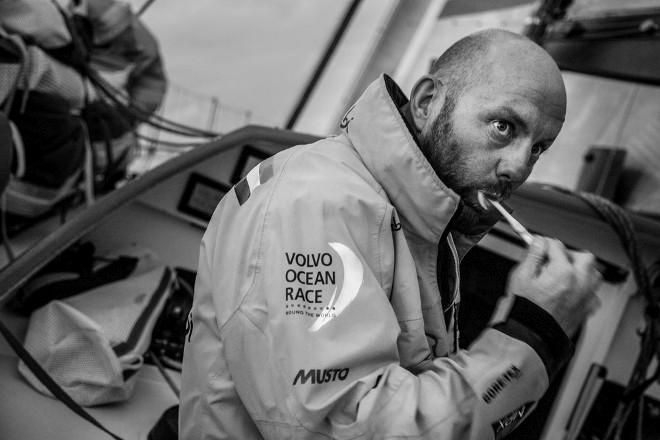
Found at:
[515, 224]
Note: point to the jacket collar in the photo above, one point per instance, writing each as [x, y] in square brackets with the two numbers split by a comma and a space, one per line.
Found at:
[389, 150]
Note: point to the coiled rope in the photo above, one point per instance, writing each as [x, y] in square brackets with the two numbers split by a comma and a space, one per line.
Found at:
[620, 221]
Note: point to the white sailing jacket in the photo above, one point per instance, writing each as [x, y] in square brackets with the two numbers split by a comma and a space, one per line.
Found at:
[318, 312]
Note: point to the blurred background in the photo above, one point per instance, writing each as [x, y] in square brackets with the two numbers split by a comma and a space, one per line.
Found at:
[99, 92]
[230, 64]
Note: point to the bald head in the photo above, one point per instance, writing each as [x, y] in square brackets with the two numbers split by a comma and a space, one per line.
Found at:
[500, 58]
[489, 108]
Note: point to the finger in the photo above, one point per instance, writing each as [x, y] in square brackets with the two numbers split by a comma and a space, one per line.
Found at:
[588, 307]
[537, 250]
[536, 255]
[557, 254]
[594, 304]
[585, 263]
[583, 260]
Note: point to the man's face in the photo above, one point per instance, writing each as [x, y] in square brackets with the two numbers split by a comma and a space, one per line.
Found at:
[489, 138]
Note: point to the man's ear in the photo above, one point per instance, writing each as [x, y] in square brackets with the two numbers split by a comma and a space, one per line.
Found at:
[426, 93]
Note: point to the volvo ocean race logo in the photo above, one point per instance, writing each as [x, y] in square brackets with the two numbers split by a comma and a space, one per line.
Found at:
[311, 288]
[353, 274]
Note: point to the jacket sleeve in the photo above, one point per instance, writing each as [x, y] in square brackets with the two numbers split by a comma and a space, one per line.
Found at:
[147, 82]
[36, 21]
[122, 41]
[328, 268]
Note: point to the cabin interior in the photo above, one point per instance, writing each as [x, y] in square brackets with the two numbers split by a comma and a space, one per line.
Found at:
[612, 75]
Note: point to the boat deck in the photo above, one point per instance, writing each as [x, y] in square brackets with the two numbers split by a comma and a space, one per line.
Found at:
[27, 414]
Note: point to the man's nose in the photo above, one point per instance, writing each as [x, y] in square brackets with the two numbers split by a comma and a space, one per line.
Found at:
[515, 162]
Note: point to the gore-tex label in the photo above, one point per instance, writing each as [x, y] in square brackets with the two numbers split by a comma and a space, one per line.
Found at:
[509, 422]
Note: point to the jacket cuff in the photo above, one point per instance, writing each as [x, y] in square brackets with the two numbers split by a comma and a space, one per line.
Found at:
[531, 324]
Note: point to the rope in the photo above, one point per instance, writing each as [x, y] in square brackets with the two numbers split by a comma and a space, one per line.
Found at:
[122, 101]
[144, 7]
[167, 377]
[19, 149]
[88, 167]
[620, 221]
[4, 236]
[20, 75]
[633, 393]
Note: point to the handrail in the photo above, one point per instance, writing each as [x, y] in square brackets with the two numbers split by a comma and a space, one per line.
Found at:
[647, 228]
[28, 263]
[11, 277]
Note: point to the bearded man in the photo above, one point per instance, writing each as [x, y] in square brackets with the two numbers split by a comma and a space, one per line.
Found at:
[327, 293]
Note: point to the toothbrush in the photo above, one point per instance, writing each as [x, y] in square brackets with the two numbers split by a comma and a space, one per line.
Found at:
[515, 224]
[526, 236]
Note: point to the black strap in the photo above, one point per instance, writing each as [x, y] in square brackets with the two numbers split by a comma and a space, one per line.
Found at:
[6, 151]
[48, 381]
[116, 270]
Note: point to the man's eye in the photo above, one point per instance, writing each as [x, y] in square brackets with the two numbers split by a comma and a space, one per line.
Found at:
[502, 128]
[537, 150]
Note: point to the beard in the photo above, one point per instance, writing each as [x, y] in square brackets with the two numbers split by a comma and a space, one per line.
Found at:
[442, 148]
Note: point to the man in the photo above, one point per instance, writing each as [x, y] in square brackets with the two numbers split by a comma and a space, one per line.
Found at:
[50, 95]
[326, 298]
[111, 36]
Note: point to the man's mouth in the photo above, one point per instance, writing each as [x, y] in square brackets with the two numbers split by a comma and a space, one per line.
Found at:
[483, 198]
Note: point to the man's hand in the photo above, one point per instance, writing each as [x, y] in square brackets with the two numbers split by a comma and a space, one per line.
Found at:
[560, 281]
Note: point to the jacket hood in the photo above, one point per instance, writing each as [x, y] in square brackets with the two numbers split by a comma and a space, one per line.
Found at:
[381, 137]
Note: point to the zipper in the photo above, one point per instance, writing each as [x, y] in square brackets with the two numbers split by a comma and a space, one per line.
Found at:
[456, 297]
